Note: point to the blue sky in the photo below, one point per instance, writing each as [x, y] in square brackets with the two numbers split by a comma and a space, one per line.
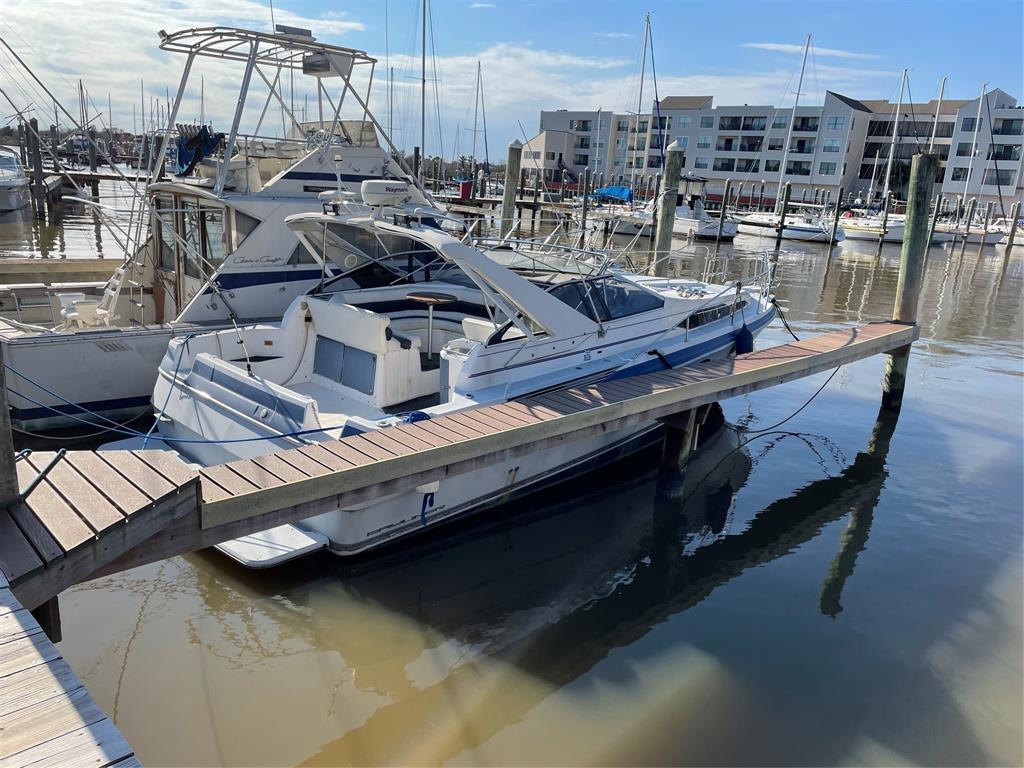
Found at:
[565, 53]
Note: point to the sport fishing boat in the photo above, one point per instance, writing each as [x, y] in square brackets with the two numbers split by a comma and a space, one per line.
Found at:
[419, 324]
[13, 181]
[218, 251]
[692, 221]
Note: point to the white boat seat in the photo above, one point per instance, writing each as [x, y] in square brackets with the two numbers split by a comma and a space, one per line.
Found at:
[477, 329]
[86, 314]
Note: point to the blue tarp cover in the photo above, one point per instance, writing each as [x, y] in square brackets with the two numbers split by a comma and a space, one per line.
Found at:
[624, 194]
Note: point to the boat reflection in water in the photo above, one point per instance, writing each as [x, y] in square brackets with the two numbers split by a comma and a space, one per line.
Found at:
[447, 643]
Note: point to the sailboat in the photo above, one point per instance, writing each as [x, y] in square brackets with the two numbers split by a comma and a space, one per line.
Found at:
[801, 224]
[13, 181]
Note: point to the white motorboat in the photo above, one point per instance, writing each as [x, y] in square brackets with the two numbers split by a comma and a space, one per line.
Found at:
[691, 221]
[422, 324]
[14, 193]
[219, 252]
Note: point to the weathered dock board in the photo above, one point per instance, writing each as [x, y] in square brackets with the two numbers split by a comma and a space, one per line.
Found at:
[47, 717]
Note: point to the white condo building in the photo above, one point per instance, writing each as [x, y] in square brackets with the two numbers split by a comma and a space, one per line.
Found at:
[843, 143]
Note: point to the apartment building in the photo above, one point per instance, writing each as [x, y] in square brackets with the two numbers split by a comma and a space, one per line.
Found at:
[843, 143]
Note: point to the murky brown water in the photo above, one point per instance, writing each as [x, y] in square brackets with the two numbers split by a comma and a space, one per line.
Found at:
[845, 593]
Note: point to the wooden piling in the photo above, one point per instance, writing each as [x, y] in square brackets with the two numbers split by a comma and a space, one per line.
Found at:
[984, 229]
[666, 207]
[885, 223]
[92, 150]
[786, 191]
[38, 179]
[583, 213]
[1014, 215]
[721, 213]
[508, 199]
[835, 221]
[968, 218]
[8, 472]
[911, 276]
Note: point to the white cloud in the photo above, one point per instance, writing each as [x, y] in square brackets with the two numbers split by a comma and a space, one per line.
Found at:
[482, 5]
[835, 53]
[613, 35]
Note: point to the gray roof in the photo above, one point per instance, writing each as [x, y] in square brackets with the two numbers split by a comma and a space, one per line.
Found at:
[685, 102]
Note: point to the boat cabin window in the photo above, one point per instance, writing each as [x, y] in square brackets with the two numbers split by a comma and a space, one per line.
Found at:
[202, 238]
[242, 226]
[9, 163]
[163, 206]
[710, 315]
[606, 298]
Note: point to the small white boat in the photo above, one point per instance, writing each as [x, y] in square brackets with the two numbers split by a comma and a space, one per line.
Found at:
[799, 226]
[14, 191]
[422, 324]
[691, 220]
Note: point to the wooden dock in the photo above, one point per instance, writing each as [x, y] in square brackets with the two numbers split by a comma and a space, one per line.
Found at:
[47, 717]
[84, 514]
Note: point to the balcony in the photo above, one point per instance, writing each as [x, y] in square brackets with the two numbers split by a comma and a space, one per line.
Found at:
[806, 124]
[798, 168]
[1005, 152]
[727, 145]
[755, 123]
[729, 123]
[582, 143]
[802, 147]
[1008, 128]
[747, 166]
[752, 144]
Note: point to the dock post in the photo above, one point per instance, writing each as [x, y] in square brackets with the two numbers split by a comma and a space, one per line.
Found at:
[935, 219]
[38, 179]
[665, 207]
[721, 213]
[508, 198]
[786, 191]
[835, 221]
[911, 276]
[984, 229]
[92, 150]
[54, 143]
[1014, 215]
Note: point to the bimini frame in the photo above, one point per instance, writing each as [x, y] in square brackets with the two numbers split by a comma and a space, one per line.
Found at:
[289, 48]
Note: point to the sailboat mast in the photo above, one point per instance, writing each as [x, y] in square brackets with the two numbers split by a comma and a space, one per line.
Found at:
[476, 113]
[938, 111]
[974, 141]
[792, 122]
[640, 97]
[423, 91]
[892, 143]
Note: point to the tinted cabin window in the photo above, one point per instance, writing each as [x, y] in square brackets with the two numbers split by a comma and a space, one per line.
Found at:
[625, 299]
[572, 294]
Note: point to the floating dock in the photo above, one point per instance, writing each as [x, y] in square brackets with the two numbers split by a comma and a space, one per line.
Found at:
[85, 514]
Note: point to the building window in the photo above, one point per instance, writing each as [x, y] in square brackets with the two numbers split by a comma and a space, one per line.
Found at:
[959, 174]
[832, 145]
[968, 124]
[684, 141]
[700, 162]
[779, 121]
[654, 161]
[703, 142]
[549, 155]
[1002, 178]
[1008, 127]
[798, 168]
[724, 164]
[579, 125]
[1009, 152]
[802, 146]
[963, 149]
[772, 166]
[747, 166]
[622, 125]
[729, 123]
[707, 121]
[836, 122]
[827, 169]
[684, 122]
[580, 160]
[727, 144]
[805, 124]
[776, 144]
[755, 123]
[751, 144]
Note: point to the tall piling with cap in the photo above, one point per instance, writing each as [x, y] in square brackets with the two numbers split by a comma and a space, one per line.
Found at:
[38, 179]
[722, 213]
[911, 276]
[786, 191]
[92, 150]
[885, 223]
[513, 163]
[583, 209]
[665, 206]
[835, 220]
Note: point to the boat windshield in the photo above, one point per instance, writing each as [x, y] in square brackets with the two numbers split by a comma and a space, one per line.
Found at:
[606, 298]
[374, 259]
[9, 163]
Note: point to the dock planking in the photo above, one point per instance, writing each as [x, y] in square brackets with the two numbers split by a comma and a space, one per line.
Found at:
[47, 717]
